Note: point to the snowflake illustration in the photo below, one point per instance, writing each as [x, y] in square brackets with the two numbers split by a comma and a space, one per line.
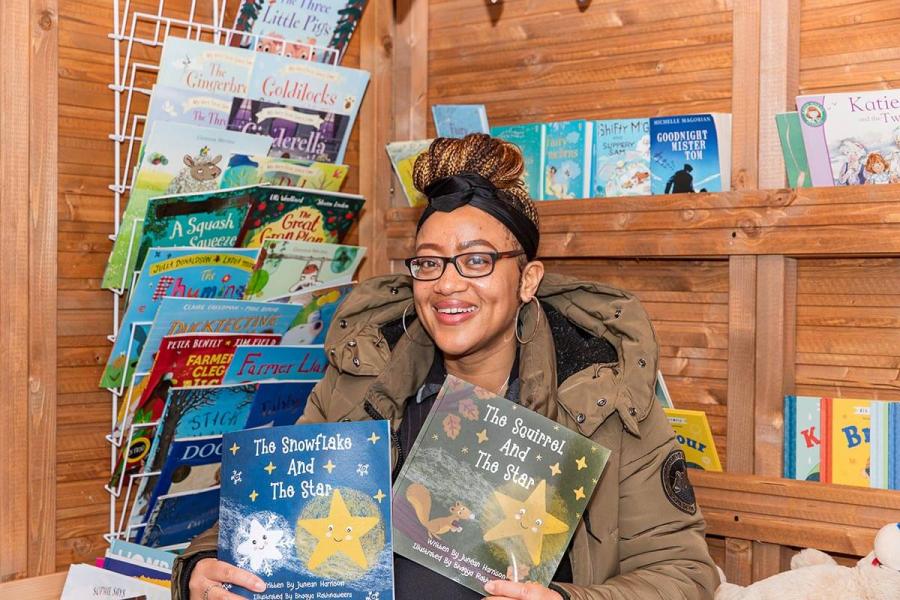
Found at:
[236, 476]
[362, 469]
[373, 596]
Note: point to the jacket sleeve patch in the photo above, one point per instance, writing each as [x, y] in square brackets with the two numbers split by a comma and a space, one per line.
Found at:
[675, 483]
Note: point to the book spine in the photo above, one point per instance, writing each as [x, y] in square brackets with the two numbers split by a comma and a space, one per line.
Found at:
[893, 434]
[826, 441]
[542, 162]
[790, 437]
[586, 159]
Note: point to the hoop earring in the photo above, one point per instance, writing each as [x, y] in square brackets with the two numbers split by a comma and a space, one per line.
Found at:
[536, 325]
[405, 331]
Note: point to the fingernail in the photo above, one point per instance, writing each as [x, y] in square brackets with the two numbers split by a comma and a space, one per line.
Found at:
[259, 586]
[489, 587]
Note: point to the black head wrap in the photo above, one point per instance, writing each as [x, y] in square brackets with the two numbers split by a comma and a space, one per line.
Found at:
[449, 193]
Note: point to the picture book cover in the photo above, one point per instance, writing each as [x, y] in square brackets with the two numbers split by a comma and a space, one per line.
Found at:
[177, 272]
[298, 28]
[459, 120]
[307, 508]
[793, 150]
[202, 315]
[138, 571]
[276, 363]
[567, 160]
[802, 437]
[620, 164]
[158, 559]
[662, 392]
[846, 449]
[279, 403]
[283, 172]
[87, 582]
[176, 159]
[203, 67]
[318, 307]
[893, 446]
[491, 490]
[179, 517]
[203, 219]
[690, 153]
[693, 433]
[851, 138]
[880, 440]
[530, 140]
[299, 215]
[326, 93]
[286, 267]
[403, 157]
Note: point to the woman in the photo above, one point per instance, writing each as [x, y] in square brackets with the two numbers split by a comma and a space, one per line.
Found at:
[479, 306]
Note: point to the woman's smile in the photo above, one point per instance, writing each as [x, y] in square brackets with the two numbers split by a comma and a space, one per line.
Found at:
[454, 312]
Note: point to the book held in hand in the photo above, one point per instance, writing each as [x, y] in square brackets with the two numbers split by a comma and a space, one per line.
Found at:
[492, 490]
[308, 509]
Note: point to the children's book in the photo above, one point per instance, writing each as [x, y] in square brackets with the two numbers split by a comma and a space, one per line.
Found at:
[138, 571]
[893, 446]
[793, 149]
[880, 428]
[300, 215]
[621, 158]
[283, 172]
[308, 508]
[693, 433]
[530, 140]
[802, 437]
[459, 120]
[298, 29]
[286, 267]
[176, 272]
[201, 315]
[329, 96]
[276, 363]
[176, 159]
[567, 160]
[87, 582]
[152, 557]
[315, 317]
[491, 490]
[279, 403]
[846, 447]
[851, 138]
[662, 392]
[403, 157]
[203, 67]
[690, 153]
[179, 517]
[203, 219]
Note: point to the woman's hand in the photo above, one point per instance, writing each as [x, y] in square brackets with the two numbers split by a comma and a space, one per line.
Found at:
[209, 574]
[510, 590]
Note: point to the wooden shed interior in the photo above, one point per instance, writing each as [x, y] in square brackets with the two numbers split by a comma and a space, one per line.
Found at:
[754, 293]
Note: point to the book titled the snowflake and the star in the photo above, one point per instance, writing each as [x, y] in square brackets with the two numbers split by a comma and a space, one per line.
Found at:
[308, 509]
[492, 490]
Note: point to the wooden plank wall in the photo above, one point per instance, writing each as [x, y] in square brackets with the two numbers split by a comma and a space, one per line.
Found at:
[84, 314]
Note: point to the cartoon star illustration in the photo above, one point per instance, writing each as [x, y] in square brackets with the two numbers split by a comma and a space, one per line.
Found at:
[555, 470]
[338, 532]
[582, 463]
[329, 466]
[373, 438]
[482, 436]
[528, 519]
[579, 493]
[234, 448]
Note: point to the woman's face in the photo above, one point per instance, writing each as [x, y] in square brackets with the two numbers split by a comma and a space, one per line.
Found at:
[465, 316]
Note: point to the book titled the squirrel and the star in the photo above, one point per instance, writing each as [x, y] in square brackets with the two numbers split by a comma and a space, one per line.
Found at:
[492, 490]
[308, 509]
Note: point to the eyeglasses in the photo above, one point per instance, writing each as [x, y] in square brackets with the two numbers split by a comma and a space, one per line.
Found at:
[470, 264]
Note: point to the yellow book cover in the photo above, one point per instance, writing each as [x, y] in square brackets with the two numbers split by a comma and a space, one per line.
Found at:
[849, 441]
[693, 433]
[403, 157]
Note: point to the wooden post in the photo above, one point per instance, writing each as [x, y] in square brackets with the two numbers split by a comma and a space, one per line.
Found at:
[410, 73]
[28, 180]
[741, 363]
[745, 96]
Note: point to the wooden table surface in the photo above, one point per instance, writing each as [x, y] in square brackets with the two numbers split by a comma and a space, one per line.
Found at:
[46, 587]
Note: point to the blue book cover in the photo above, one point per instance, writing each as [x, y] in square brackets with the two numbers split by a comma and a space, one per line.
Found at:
[318, 306]
[567, 160]
[308, 508]
[176, 272]
[201, 315]
[136, 570]
[459, 120]
[276, 363]
[802, 437]
[158, 559]
[879, 436]
[621, 158]
[690, 153]
[894, 446]
[530, 140]
[200, 66]
[278, 403]
[180, 517]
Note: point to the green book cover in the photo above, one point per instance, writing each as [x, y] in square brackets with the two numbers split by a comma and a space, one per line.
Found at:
[492, 490]
[288, 267]
[793, 149]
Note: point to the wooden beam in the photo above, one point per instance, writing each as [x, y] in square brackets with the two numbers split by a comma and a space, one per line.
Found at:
[738, 561]
[376, 30]
[741, 362]
[411, 115]
[745, 95]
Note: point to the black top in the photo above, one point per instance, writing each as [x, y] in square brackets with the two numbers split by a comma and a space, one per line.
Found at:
[412, 580]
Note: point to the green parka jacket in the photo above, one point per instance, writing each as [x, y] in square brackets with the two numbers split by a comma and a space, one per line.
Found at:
[642, 535]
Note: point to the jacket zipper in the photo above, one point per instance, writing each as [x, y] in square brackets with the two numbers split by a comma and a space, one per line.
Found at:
[395, 437]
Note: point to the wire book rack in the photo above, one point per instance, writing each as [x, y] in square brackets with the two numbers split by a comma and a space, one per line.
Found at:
[138, 35]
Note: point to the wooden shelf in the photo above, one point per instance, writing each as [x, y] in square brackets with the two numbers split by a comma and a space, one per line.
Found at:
[846, 221]
[832, 518]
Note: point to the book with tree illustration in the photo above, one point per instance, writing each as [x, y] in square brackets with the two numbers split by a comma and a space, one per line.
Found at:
[307, 508]
[403, 157]
[492, 490]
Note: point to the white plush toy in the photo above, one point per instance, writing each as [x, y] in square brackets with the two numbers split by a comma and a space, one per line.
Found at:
[816, 576]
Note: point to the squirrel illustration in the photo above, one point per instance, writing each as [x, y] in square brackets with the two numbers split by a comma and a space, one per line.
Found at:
[420, 498]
